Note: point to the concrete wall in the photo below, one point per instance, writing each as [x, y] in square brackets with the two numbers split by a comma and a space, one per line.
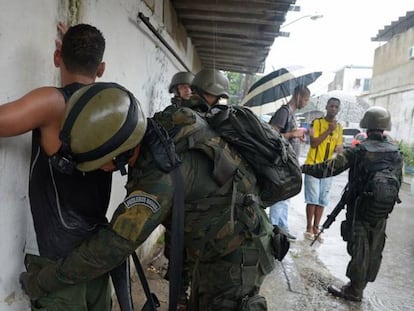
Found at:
[393, 84]
[134, 58]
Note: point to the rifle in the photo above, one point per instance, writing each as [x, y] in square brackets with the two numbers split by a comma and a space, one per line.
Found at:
[335, 212]
[122, 284]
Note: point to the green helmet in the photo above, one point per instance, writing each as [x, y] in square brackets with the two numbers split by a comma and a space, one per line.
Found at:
[376, 118]
[212, 82]
[102, 121]
[183, 77]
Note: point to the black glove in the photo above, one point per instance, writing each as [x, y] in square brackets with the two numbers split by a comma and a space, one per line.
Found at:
[305, 168]
[280, 243]
[30, 285]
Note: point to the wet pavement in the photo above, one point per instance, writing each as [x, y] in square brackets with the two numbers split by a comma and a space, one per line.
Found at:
[300, 281]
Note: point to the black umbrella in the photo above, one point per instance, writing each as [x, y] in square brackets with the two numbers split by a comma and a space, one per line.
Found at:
[278, 84]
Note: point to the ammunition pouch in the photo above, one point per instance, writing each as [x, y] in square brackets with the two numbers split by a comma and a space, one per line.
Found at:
[253, 303]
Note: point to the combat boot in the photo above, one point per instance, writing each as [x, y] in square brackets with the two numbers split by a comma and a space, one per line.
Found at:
[346, 292]
[182, 302]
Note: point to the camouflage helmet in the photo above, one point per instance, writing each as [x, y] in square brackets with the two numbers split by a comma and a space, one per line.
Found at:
[376, 118]
[212, 82]
[102, 121]
[182, 77]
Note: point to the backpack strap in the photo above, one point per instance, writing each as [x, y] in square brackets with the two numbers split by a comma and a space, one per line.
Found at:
[288, 119]
[317, 147]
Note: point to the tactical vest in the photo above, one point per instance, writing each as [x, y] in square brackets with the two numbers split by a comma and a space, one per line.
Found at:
[217, 224]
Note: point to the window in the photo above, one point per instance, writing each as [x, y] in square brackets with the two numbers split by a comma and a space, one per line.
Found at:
[367, 85]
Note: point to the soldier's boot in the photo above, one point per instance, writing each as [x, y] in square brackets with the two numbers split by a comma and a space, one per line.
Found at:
[183, 301]
[182, 304]
[347, 292]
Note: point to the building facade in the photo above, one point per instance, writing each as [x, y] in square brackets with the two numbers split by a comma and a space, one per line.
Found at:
[393, 76]
[354, 80]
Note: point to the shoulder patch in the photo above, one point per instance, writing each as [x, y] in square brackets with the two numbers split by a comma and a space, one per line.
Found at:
[142, 198]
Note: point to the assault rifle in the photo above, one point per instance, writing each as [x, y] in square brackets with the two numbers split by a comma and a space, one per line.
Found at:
[335, 212]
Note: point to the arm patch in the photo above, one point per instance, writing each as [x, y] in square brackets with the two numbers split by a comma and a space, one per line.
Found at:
[141, 198]
[134, 213]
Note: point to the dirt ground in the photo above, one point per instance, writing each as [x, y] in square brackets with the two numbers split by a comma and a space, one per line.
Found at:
[313, 274]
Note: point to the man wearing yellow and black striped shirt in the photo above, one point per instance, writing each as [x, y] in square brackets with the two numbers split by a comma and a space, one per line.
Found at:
[325, 139]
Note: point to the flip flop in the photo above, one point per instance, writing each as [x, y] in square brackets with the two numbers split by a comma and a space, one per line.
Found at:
[309, 236]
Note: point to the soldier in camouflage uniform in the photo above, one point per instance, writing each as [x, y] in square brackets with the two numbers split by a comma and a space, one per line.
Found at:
[227, 235]
[180, 86]
[367, 212]
[208, 86]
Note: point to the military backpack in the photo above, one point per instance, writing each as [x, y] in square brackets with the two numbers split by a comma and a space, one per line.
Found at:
[266, 150]
[379, 169]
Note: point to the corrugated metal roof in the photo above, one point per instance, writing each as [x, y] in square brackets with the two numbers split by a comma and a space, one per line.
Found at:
[232, 35]
[396, 27]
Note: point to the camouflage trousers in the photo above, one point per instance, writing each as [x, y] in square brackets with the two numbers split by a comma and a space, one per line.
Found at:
[365, 249]
[94, 295]
[232, 282]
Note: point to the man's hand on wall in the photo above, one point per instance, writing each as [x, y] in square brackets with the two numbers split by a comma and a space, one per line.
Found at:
[61, 28]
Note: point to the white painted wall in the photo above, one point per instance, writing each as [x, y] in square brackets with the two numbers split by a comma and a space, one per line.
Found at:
[134, 58]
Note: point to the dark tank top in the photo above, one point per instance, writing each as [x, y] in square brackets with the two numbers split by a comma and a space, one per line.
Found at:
[66, 209]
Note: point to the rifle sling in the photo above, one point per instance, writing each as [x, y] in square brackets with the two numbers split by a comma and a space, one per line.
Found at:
[152, 301]
[177, 239]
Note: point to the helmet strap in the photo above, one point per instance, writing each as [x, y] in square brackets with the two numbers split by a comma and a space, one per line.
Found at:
[122, 160]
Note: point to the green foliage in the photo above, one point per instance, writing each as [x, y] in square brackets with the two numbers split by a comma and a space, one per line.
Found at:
[239, 84]
[235, 87]
[408, 154]
[235, 80]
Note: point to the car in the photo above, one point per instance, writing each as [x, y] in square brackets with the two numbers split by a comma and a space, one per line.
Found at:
[348, 135]
[360, 137]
